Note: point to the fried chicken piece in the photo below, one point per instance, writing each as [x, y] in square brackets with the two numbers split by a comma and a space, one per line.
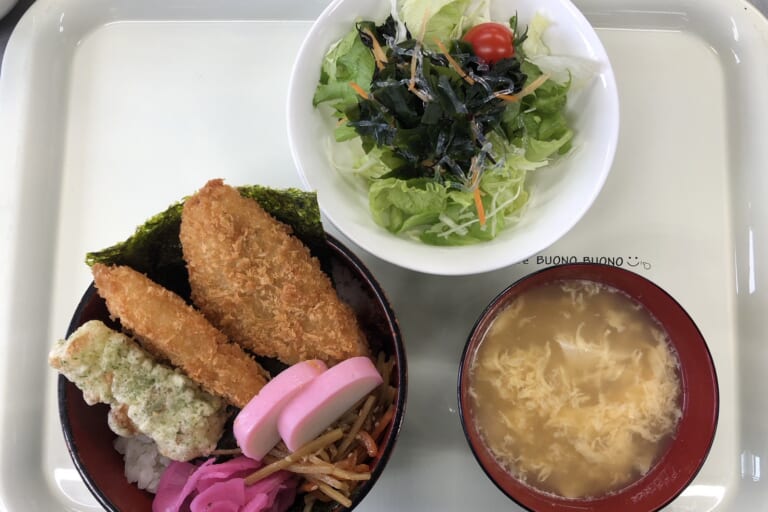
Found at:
[259, 284]
[171, 329]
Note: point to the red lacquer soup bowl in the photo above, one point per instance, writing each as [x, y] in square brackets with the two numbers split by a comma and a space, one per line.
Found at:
[684, 453]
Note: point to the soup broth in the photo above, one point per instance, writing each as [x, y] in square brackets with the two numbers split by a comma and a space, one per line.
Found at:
[575, 389]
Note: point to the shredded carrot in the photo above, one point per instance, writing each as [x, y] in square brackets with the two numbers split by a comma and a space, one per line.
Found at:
[383, 423]
[307, 486]
[412, 82]
[479, 206]
[365, 410]
[368, 442]
[359, 90]
[453, 62]
[378, 53]
[528, 89]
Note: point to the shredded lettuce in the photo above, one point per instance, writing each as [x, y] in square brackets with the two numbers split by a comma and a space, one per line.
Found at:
[445, 20]
[440, 215]
[534, 45]
[564, 68]
[399, 205]
[537, 124]
[577, 71]
[347, 61]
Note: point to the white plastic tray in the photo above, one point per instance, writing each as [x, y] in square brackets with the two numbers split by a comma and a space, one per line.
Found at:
[111, 110]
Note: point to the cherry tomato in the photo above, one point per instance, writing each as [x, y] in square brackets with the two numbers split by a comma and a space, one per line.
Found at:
[490, 41]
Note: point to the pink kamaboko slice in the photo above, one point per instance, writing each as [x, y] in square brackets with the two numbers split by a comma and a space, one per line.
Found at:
[255, 427]
[325, 399]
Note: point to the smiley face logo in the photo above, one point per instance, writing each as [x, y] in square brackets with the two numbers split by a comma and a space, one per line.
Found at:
[634, 261]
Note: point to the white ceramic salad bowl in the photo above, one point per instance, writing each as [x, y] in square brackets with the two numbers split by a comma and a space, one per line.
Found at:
[560, 193]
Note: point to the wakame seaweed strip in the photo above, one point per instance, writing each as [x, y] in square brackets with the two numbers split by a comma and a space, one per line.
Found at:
[438, 138]
[155, 249]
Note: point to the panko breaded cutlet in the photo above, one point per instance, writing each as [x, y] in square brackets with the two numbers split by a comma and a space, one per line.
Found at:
[169, 328]
[259, 284]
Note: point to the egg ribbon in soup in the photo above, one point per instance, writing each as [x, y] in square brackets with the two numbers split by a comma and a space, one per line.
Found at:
[575, 389]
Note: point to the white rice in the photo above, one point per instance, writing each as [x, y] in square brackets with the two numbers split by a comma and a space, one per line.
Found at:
[143, 463]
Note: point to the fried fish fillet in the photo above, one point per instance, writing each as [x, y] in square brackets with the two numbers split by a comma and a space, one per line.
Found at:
[259, 284]
[170, 329]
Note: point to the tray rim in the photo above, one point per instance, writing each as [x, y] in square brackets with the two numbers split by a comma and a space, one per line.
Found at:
[20, 67]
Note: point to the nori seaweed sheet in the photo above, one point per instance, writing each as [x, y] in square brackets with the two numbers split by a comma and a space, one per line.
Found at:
[155, 249]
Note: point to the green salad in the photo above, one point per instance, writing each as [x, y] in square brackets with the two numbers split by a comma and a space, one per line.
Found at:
[449, 113]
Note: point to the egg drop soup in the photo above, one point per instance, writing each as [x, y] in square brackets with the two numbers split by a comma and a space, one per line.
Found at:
[575, 389]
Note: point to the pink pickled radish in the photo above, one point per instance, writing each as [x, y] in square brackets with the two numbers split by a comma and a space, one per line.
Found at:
[255, 427]
[222, 487]
[237, 467]
[227, 494]
[325, 399]
[177, 482]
